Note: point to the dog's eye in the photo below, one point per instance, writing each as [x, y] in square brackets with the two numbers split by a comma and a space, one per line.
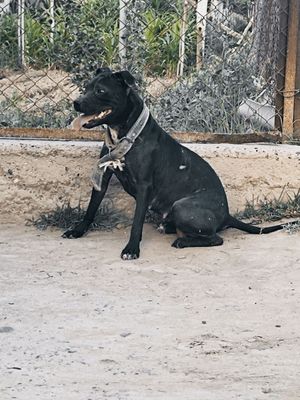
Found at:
[99, 91]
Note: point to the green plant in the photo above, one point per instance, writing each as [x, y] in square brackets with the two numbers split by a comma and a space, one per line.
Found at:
[8, 41]
[86, 36]
[162, 36]
[82, 41]
[37, 42]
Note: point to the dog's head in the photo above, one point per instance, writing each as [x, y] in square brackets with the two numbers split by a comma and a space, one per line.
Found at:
[105, 99]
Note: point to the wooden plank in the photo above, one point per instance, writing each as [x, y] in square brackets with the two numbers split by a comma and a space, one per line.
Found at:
[58, 134]
[217, 138]
[290, 71]
[96, 135]
[280, 64]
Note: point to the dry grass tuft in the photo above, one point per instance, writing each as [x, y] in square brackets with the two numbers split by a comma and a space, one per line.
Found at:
[66, 216]
[285, 206]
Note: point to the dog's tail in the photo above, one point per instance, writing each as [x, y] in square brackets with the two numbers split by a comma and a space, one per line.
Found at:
[235, 223]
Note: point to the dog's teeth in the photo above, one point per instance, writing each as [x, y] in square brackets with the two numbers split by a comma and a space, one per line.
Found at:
[104, 113]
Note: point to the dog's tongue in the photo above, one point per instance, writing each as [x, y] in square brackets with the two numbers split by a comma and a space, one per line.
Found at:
[78, 122]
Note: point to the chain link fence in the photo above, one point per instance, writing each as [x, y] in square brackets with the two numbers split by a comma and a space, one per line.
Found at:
[202, 65]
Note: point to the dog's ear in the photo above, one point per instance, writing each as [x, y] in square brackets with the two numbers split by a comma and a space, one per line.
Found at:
[101, 70]
[126, 77]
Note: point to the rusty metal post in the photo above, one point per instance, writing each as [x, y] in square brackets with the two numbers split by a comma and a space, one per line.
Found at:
[297, 88]
[290, 71]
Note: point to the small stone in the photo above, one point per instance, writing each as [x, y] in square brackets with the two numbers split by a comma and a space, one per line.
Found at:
[125, 334]
[266, 390]
[6, 329]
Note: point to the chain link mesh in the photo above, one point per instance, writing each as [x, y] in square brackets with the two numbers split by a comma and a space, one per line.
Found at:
[201, 65]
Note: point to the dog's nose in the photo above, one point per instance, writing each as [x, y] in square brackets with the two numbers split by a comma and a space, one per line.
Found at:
[77, 105]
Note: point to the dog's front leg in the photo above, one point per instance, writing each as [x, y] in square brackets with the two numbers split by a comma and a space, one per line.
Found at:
[95, 201]
[132, 249]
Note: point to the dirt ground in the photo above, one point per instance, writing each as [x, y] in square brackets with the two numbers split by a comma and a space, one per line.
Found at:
[78, 323]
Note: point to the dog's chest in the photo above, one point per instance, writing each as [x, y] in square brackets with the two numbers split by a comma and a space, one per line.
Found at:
[132, 174]
[128, 180]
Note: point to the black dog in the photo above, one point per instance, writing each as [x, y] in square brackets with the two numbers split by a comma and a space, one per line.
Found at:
[157, 171]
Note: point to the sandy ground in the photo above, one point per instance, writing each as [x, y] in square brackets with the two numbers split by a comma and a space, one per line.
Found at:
[78, 323]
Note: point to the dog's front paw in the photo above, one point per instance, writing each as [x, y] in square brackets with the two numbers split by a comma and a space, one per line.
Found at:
[130, 252]
[72, 234]
[75, 233]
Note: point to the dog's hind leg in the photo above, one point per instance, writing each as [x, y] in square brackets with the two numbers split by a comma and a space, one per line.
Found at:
[197, 226]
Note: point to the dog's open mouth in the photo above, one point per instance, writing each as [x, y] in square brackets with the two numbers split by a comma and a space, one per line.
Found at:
[83, 119]
[101, 115]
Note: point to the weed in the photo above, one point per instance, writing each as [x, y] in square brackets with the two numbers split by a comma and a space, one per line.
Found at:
[66, 216]
[285, 206]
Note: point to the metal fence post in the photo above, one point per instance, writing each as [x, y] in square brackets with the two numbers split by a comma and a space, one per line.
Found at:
[183, 29]
[201, 15]
[52, 16]
[21, 33]
[290, 70]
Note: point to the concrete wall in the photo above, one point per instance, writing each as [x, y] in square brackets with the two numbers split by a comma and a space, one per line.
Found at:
[36, 176]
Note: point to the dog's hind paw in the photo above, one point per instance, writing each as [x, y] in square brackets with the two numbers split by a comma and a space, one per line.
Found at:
[130, 254]
[161, 228]
[167, 228]
[179, 243]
